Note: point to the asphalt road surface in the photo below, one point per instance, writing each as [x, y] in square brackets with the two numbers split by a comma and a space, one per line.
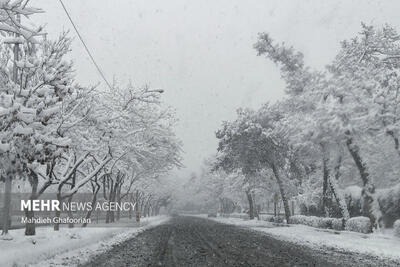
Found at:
[191, 241]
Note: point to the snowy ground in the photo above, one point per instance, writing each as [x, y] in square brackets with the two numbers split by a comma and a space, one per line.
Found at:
[383, 245]
[68, 247]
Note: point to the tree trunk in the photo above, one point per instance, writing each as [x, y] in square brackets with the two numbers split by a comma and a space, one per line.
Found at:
[7, 204]
[107, 217]
[94, 200]
[137, 212]
[337, 194]
[149, 210]
[325, 171]
[113, 198]
[337, 168]
[145, 209]
[112, 216]
[109, 199]
[142, 204]
[70, 215]
[251, 207]
[112, 213]
[395, 140]
[58, 213]
[339, 199]
[130, 207]
[255, 207]
[368, 188]
[221, 206]
[119, 202]
[138, 206]
[30, 227]
[157, 209]
[282, 191]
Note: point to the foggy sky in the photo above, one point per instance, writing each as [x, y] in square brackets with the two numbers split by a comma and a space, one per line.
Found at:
[200, 52]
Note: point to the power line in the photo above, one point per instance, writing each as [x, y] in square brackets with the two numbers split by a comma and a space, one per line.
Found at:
[84, 44]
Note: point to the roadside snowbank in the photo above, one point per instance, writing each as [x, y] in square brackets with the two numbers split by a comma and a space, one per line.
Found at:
[383, 245]
[68, 247]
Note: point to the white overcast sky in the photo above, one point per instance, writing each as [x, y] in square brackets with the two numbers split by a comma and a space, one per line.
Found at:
[200, 52]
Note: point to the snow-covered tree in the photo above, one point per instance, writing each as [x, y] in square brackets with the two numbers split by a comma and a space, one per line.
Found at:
[249, 144]
[17, 107]
[344, 110]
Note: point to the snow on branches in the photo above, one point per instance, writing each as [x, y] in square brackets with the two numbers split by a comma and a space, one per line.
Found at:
[336, 127]
[60, 136]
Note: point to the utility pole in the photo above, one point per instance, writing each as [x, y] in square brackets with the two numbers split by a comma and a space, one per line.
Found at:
[16, 58]
[9, 173]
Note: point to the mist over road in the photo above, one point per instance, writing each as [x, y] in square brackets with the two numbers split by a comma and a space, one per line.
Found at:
[191, 241]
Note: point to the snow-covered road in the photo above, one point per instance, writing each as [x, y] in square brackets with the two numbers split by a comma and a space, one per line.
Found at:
[191, 241]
